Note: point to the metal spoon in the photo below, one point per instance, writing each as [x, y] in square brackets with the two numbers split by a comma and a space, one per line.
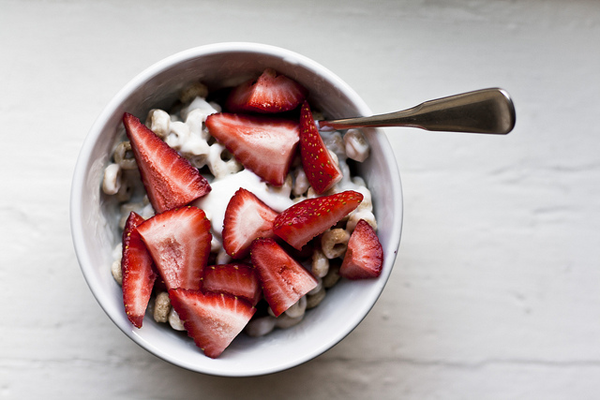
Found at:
[488, 111]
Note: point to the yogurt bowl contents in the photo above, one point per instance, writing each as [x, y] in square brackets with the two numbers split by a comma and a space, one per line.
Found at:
[177, 107]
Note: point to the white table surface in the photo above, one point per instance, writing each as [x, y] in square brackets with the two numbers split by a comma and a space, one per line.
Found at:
[496, 290]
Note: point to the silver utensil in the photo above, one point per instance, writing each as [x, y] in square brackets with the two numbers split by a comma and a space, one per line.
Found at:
[489, 111]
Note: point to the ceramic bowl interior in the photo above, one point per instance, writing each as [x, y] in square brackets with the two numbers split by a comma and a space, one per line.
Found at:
[95, 231]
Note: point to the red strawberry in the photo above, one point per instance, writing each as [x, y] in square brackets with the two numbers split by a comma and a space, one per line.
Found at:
[138, 272]
[303, 221]
[270, 93]
[246, 219]
[170, 180]
[283, 280]
[364, 256]
[321, 170]
[213, 320]
[236, 279]
[264, 145]
[179, 242]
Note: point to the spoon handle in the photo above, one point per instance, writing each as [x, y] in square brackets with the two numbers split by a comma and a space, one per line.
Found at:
[482, 111]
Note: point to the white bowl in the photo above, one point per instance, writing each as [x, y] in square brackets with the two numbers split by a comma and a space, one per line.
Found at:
[95, 232]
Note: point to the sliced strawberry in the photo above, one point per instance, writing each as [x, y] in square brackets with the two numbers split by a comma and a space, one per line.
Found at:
[364, 256]
[213, 320]
[170, 180]
[246, 219]
[321, 170]
[270, 93]
[138, 272]
[303, 221]
[264, 145]
[179, 242]
[236, 279]
[283, 279]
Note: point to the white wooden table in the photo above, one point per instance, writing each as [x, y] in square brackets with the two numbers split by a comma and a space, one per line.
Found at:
[496, 291]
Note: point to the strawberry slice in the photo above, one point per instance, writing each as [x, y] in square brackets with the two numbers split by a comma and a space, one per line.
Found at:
[213, 320]
[170, 180]
[236, 279]
[284, 280]
[321, 170]
[246, 218]
[303, 221]
[264, 145]
[179, 242]
[270, 93]
[138, 271]
[364, 256]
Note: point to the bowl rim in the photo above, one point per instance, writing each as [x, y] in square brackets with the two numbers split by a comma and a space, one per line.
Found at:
[79, 176]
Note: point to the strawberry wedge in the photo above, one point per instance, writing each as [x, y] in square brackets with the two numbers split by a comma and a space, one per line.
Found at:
[270, 93]
[264, 145]
[213, 320]
[364, 256]
[170, 180]
[246, 218]
[138, 272]
[236, 279]
[303, 221]
[179, 242]
[321, 170]
[283, 279]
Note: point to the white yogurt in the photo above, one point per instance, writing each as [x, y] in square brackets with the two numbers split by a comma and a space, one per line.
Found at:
[215, 202]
